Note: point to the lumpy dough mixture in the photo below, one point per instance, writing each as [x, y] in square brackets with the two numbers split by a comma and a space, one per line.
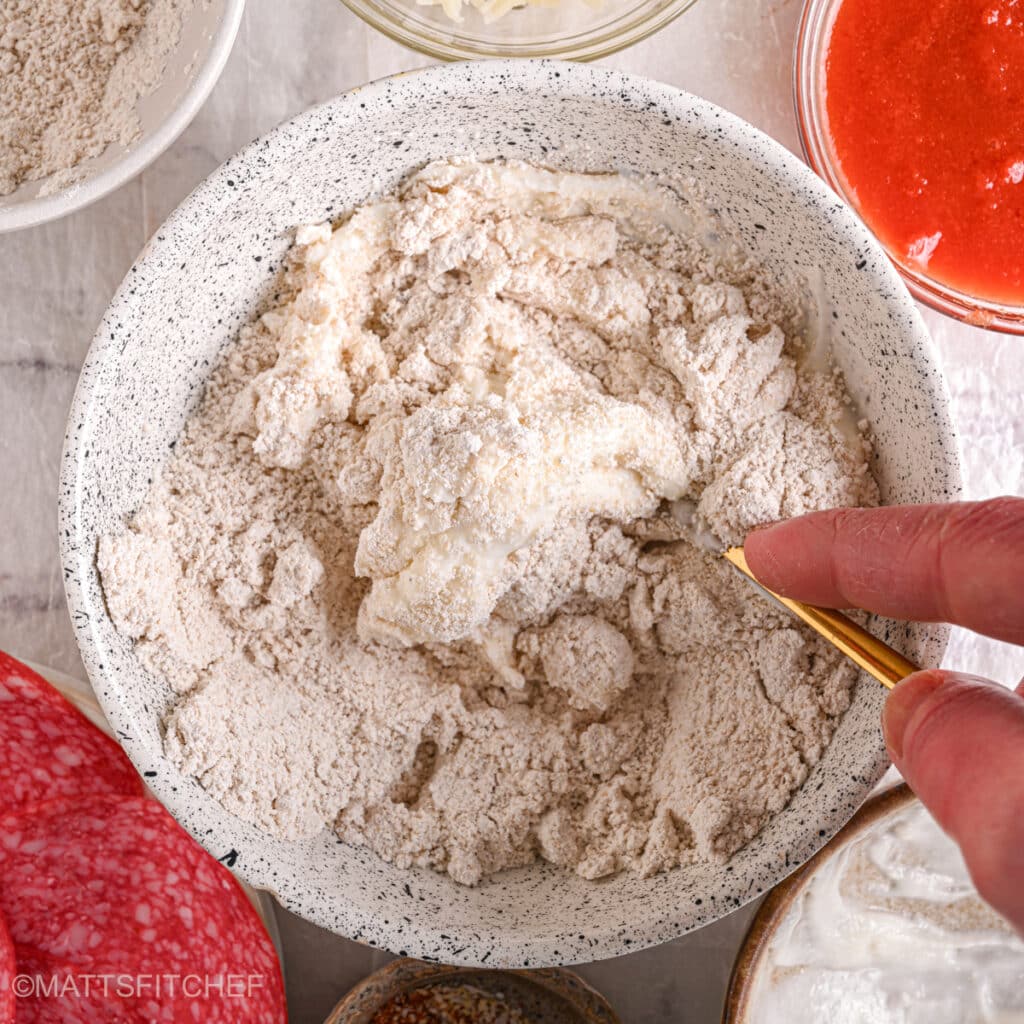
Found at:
[423, 566]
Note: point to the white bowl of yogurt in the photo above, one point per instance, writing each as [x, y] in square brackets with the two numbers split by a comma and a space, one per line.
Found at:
[884, 926]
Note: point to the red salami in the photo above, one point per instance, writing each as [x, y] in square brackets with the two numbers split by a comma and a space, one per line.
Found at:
[6, 975]
[54, 995]
[112, 888]
[48, 749]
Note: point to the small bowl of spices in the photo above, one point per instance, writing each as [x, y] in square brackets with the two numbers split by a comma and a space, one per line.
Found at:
[413, 992]
[914, 113]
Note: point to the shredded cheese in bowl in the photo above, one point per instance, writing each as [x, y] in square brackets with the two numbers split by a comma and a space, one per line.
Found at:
[492, 10]
[556, 29]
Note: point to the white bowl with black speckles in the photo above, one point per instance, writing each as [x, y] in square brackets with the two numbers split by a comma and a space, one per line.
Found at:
[197, 282]
[193, 66]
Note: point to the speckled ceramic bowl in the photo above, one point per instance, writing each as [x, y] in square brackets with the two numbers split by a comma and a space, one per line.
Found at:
[198, 280]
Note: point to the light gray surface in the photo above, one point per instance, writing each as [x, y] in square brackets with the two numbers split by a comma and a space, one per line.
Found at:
[58, 279]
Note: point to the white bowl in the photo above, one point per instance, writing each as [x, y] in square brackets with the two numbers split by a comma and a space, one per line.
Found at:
[198, 281]
[192, 70]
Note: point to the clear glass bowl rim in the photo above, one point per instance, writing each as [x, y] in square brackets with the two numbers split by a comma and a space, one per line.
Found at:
[581, 47]
[808, 66]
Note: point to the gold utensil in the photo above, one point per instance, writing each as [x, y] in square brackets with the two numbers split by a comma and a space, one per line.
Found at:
[885, 664]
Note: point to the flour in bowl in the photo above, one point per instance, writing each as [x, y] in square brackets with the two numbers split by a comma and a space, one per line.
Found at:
[418, 568]
[71, 74]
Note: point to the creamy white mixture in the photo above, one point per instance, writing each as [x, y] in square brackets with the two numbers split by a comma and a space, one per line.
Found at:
[416, 569]
[892, 931]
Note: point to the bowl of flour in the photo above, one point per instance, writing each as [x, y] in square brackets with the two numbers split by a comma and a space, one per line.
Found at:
[92, 92]
[392, 495]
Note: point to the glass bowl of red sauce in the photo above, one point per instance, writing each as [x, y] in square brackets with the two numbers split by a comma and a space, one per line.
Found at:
[913, 111]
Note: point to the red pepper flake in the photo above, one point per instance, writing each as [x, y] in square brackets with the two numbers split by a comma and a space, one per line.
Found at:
[448, 1004]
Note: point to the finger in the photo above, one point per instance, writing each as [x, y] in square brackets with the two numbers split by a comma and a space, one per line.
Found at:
[960, 563]
[959, 742]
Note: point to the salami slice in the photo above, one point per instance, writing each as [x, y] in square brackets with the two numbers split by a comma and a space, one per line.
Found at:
[6, 975]
[51, 993]
[112, 887]
[49, 749]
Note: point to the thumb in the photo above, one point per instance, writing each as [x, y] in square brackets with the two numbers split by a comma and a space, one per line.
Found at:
[959, 742]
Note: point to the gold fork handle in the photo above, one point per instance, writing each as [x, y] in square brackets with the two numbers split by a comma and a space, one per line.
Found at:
[870, 653]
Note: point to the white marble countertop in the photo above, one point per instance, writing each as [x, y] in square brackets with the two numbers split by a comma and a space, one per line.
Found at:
[57, 280]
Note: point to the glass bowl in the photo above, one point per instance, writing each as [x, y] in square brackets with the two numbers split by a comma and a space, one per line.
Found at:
[572, 30]
[809, 94]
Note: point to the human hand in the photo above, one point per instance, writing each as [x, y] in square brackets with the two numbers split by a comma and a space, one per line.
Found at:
[958, 740]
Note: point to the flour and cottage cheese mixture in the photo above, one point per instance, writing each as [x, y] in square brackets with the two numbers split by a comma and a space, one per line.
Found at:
[423, 565]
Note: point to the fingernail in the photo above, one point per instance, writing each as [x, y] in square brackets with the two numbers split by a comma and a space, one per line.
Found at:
[904, 700]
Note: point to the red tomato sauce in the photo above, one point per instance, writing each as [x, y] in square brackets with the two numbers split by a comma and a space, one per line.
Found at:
[925, 109]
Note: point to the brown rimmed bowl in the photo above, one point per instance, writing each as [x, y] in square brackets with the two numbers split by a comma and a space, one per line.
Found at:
[776, 907]
[552, 995]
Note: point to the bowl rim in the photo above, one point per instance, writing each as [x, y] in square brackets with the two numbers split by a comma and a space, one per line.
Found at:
[780, 900]
[808, 62]
[606, 937]
[376, 14]
[137, 158]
